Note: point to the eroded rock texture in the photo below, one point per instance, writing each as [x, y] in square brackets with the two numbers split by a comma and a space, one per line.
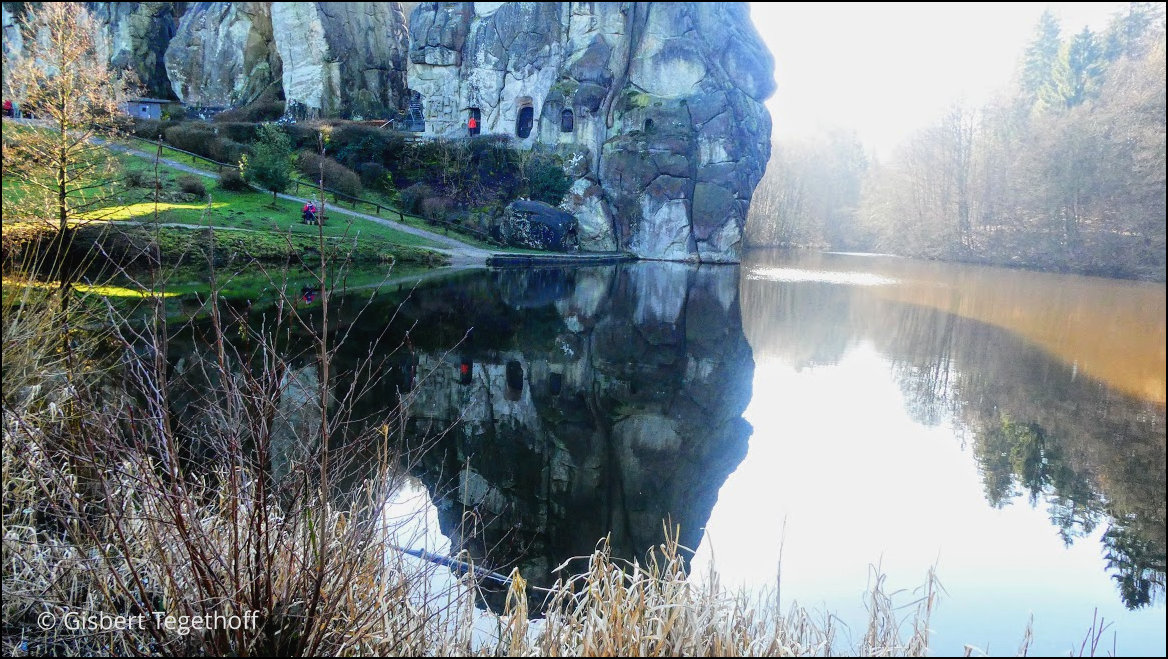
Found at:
[656, 108]
[136, 37]
[616, 404]
[342, 58]
[661, 102]
[223, 54]
[329, 58]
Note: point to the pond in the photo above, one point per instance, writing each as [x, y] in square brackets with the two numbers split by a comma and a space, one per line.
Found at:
[834, 411]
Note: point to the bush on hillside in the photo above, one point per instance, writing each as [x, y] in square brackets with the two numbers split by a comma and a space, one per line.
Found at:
[135, 178]
[225, 150]
[199, 137]
[336, 176]
[240, 131]
[192, 185]
[150, 129]
[190, 136]
[374, 175]
[436, 209]
[231, 179]
[354, 144]
[547, 182]
[411, 198]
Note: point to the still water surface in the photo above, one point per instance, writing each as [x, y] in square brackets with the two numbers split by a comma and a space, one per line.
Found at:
[1006, 427]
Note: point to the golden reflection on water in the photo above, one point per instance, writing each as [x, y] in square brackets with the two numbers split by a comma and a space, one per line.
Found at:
[1110, 330]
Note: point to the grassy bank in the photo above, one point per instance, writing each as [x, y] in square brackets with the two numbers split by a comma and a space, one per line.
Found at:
[456, 185]
[250, 225]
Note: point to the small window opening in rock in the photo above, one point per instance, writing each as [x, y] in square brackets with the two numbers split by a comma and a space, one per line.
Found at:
[474, 122]
[514, 379]
[567, 121]
[465, 371]
[523, 122]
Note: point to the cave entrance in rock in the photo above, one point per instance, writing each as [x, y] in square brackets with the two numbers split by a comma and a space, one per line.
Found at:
[474, 121]
[514, 380]
[523, 121]
[567, 121]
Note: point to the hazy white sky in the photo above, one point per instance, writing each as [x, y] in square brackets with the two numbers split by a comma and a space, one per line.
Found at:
[888, 68]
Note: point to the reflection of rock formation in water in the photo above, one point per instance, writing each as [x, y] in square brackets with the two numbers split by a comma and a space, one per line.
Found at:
[296, 425]
[621, 409]
[211, 413]
[1039, 427]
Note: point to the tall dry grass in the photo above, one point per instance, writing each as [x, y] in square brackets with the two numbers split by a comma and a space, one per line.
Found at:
[107, 508]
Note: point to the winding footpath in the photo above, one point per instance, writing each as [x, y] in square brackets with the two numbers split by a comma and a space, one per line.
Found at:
[460, 253]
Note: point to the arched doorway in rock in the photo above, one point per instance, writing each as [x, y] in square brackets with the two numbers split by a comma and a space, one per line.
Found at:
[474, 121]
[514, 381]
[524, 119]
[567, 121]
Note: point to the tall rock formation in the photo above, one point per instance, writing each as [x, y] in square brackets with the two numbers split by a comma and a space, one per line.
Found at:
[223, 54]
[136, 36]
[328, 58]
[660, 105]
[342, 58]
[656, 108]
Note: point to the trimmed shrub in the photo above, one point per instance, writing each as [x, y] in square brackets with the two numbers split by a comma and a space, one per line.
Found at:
[192, 185]
[303, 137]
[354, 144]
[373, 175]
[225, 150]
[199, 137]
[135, 178]
[336, 176]
[190, 136]
[239, 131]
[150, 129]
[230, 179]
[436, 209]
[411, 198]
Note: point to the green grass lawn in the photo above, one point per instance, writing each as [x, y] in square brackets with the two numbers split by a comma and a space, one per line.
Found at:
[252, 224]
[388, 209]
[256, 211]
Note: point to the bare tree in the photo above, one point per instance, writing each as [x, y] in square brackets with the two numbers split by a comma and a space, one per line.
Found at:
[61, 80]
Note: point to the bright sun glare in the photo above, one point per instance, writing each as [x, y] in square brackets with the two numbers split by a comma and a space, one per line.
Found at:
[885, 69]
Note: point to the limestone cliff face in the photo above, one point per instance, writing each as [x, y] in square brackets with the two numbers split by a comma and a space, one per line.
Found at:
[136, 35]
[223, 54]
[661, 103]
[342, 57]
[656, 107]
[329, 58]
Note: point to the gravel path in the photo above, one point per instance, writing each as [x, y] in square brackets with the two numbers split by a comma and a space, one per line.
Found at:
[458, 251]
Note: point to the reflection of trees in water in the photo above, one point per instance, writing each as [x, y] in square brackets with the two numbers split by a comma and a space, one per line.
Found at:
[1039, 428]
[1042, 431]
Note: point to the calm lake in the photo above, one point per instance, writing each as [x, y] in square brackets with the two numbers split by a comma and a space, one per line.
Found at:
[842, 411]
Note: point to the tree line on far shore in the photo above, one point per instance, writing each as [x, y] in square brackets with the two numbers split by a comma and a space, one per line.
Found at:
[1064, 170]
